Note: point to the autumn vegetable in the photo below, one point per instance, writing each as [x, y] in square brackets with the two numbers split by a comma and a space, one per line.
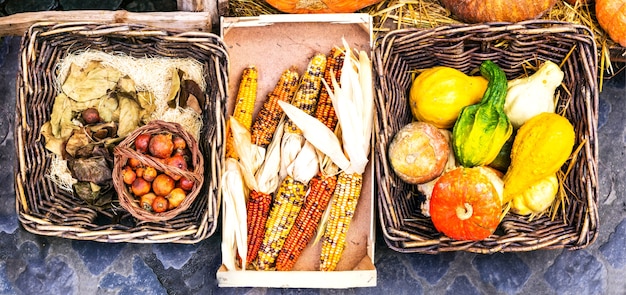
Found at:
[306, 100]
[465, 204]
[266, 137]
[482, 129]
[503, 159]
[611, 16]
[541, 147]
[298, 163]
[286, 205]
[439, 93]
[476, 11]
[418, 153]
[319, 6]
[244, 105]
[269, 115]
[537, 198]
[529, 96]
[325, 112]
[427, 188]
[149, 182]
[353, 102]
[322, 186]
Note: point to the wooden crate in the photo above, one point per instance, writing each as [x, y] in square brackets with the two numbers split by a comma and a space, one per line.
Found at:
[273, 44]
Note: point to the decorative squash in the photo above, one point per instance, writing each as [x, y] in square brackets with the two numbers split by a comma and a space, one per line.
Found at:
[482, 129]
[319, 6]
[540, 148]
[465, 204]
[476, 11]
[419, 152]
[611, 15]
[439, 93]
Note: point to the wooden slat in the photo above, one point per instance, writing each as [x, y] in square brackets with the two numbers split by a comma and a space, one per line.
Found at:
[17, 24]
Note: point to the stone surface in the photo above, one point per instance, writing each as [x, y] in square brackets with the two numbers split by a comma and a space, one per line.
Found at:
[505, 271]
[462, 285]
[577, 272]
[17, 6]
[613, 250]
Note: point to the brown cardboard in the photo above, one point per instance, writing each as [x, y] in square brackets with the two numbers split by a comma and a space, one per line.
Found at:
[274, 43]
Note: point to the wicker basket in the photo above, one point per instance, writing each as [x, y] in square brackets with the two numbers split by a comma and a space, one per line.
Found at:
[464, 47]
[124, 150]
[45, 209]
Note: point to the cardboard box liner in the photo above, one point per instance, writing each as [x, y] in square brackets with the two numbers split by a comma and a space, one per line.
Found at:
[274, 43]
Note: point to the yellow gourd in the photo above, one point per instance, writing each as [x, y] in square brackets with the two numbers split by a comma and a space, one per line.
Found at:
[541, 147]
[439, 93]
[537, 198]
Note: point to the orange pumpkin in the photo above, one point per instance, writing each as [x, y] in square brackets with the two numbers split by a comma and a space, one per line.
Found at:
[611, 15]
[320, 6]
[476, 11]
[465, 204]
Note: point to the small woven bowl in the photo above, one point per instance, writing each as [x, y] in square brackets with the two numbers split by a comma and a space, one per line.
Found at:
[125, 150]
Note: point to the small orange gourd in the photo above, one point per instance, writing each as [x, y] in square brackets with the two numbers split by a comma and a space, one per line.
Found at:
[611, 15]
[476, 11]
[465, 203]
[320, 6]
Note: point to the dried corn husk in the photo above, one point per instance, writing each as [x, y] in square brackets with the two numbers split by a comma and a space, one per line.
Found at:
[247, 156]
[267, 175]
[317, 134]
[234, 219]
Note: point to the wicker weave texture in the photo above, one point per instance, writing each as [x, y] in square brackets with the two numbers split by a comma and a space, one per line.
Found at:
[124, 151]
[45, 209]
[396, 57]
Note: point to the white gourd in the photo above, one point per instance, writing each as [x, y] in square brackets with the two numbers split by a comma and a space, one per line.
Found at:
[532, 95]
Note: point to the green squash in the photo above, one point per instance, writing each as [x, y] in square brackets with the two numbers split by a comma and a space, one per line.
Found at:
[482, 129]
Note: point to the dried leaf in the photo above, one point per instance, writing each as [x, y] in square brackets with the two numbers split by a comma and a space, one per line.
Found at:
[53, 144]
[106, 108]
[146, 101]
[61, 117]
[94, 169]
[127, 85]
[192, 103]
[305, 166]
[129, 116]
[79, 106]
[190, 87]
[76, 141]
[93, 194]
[91, 82]
[174, 89]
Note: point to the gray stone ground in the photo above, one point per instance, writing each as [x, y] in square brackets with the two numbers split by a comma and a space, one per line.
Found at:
[31, 264]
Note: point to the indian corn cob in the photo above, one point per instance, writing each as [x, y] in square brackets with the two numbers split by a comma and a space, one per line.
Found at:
[343, 206]
[269, 115]
[258, 209]
[321, 186]
[308, 89]
[324, 110]
[263, 129]
[321, 189]
[285, 208]
[306, 101]
[244, 106]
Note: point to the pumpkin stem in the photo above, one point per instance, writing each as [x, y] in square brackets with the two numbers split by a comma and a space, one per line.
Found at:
[464, 212]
